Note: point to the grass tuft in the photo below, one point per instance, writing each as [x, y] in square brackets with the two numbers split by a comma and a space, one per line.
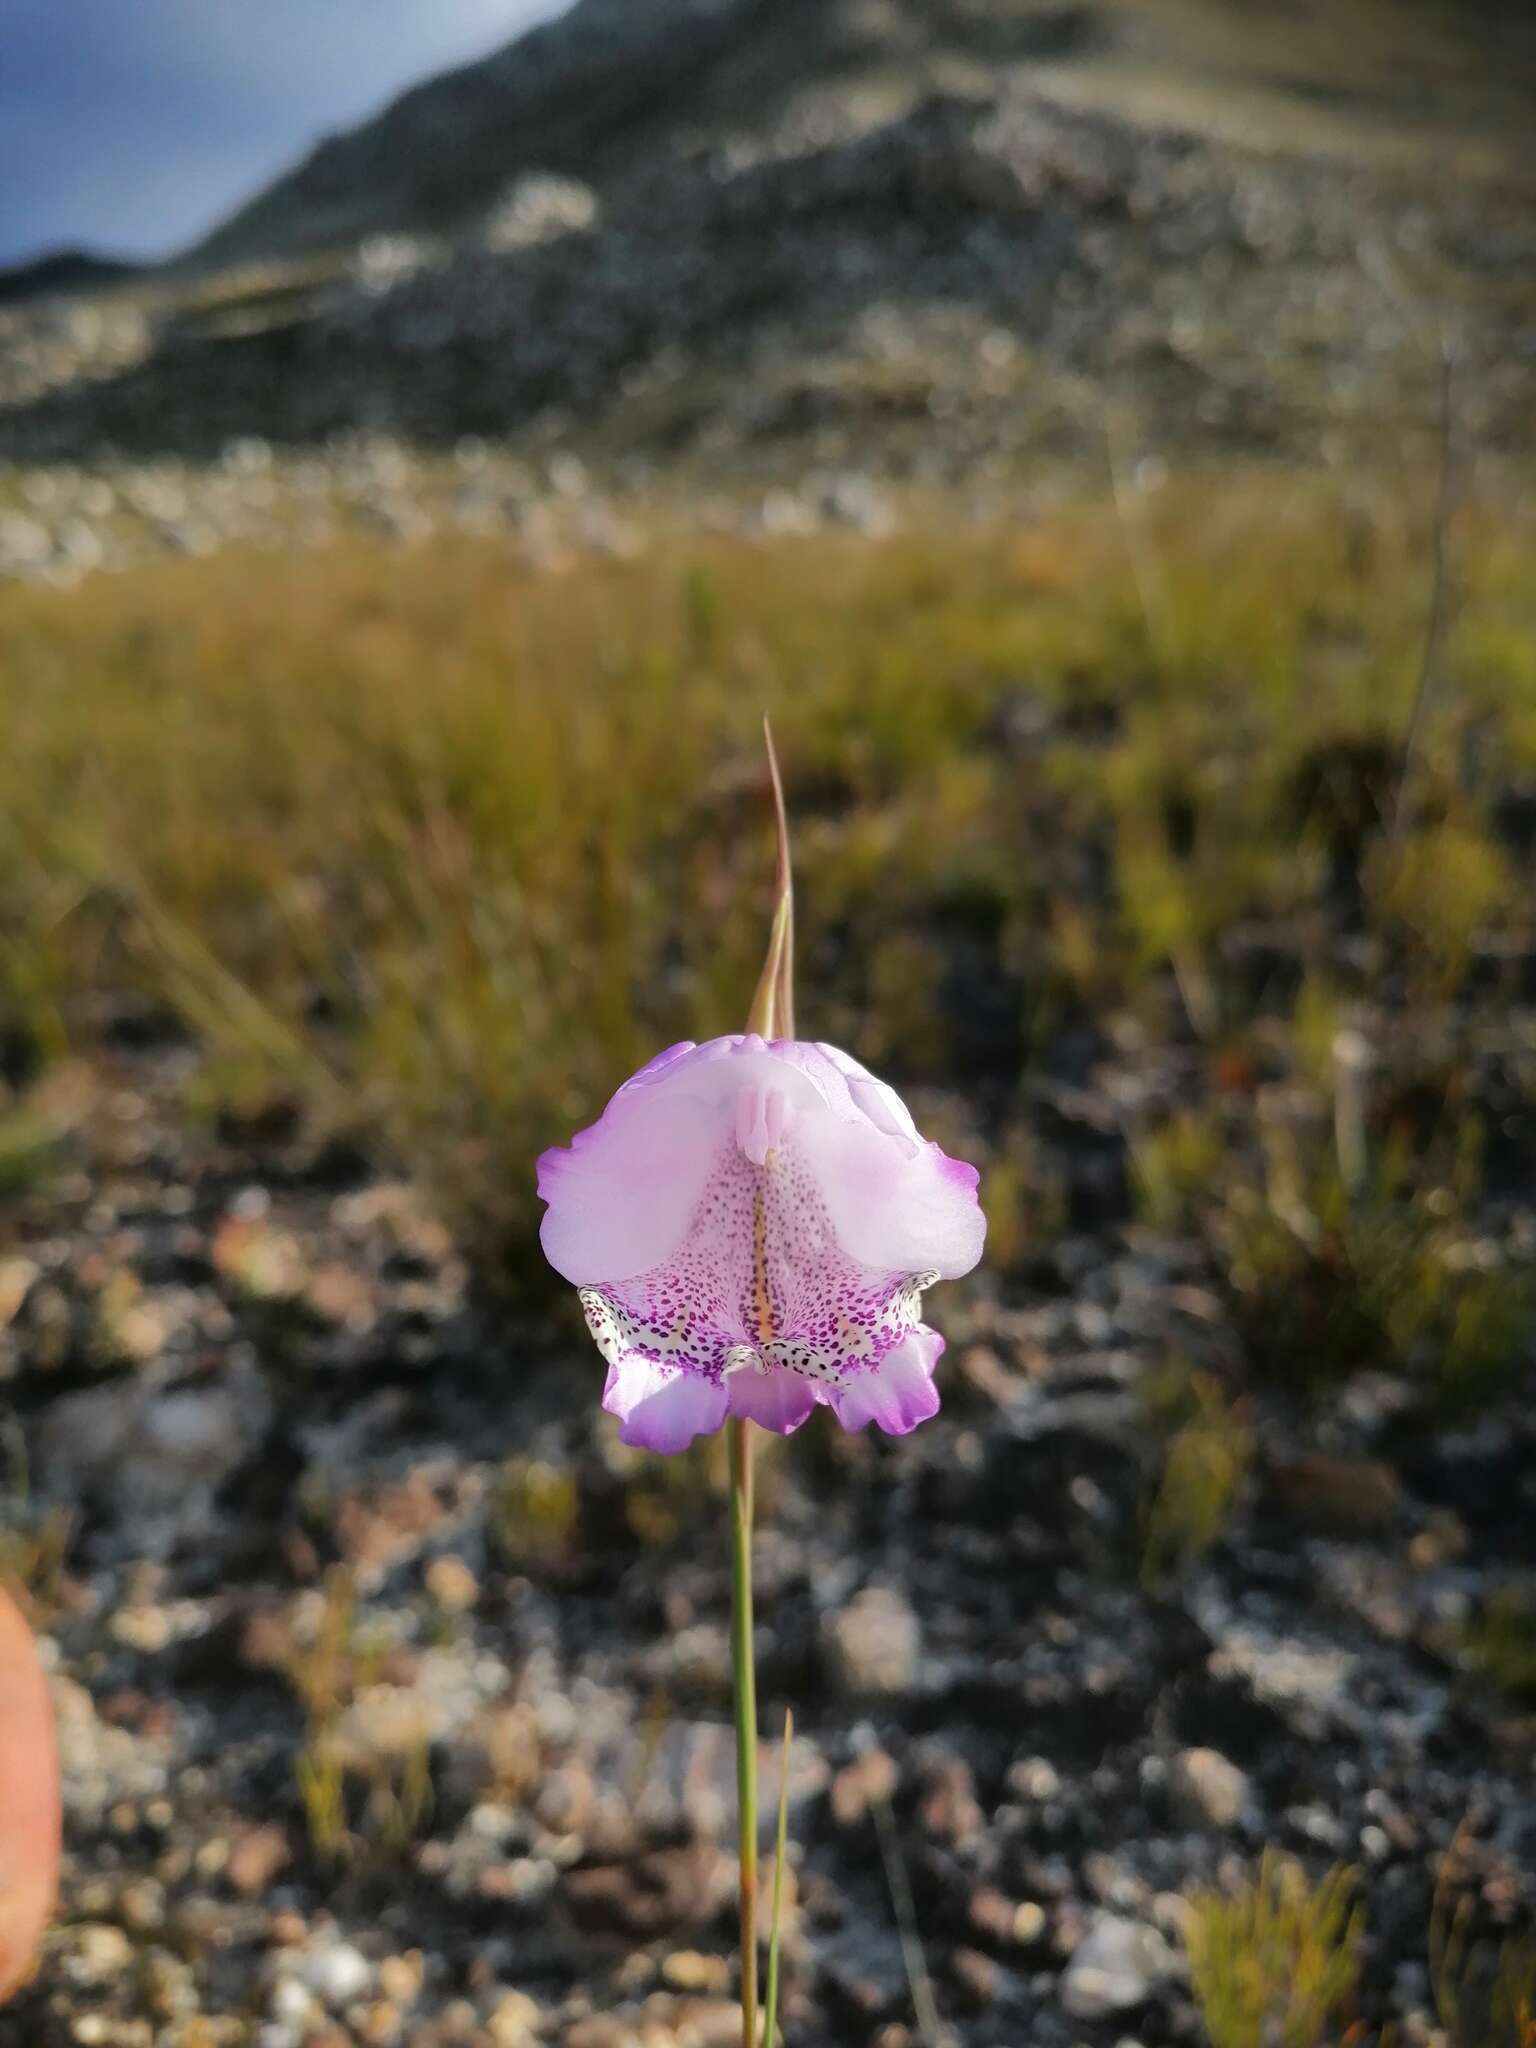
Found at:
[1275, 1965]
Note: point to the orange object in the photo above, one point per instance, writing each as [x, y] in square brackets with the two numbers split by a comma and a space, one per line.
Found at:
[29, 1801]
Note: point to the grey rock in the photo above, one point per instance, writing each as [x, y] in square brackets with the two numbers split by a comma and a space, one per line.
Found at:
[1119, 1965]
[156, 1458]
[339, 1974]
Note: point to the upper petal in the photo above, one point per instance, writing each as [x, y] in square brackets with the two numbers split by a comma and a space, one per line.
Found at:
[622, 1194]
[873, 1099]
[894, 1203]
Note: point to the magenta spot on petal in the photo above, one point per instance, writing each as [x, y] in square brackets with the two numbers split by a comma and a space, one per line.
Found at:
[957, 1170]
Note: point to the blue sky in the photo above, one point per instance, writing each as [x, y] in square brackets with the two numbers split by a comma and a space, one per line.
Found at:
[133, 125]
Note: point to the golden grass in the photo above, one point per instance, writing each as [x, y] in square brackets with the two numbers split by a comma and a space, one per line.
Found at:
[443, 847]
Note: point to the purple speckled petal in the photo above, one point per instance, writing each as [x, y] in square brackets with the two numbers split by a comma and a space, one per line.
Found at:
[899, 1393]
[777, 1399]
[661, 1409]
[752, 1227]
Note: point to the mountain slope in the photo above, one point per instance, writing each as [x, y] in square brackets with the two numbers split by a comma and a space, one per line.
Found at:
[766, 240]
[614, 88]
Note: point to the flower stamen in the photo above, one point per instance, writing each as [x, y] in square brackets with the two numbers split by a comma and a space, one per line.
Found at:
[761, 1304]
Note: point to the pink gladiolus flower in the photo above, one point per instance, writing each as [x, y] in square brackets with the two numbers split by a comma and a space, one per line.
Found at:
[752, 1224]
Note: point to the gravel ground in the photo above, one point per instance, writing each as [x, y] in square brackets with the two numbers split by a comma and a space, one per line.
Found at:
[394, 1694]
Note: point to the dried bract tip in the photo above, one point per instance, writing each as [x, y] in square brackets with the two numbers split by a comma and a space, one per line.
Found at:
[772, 1014]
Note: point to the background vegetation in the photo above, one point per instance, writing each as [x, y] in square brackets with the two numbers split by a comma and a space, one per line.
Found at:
[426, 850]
[439, 848]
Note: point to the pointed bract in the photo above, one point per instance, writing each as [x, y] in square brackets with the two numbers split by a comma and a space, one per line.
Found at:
[772, 1014]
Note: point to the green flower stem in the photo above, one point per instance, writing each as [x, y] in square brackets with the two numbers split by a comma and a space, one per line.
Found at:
[744, 1666]
[776, 1923]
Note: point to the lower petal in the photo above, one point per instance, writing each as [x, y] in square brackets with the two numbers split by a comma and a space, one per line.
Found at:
[661, 1408]
[776, 1399]
[898, 1393]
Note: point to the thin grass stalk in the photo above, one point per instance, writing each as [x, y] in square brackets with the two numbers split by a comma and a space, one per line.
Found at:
[776, 1920]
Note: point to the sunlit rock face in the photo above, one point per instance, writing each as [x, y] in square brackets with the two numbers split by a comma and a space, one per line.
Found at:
[29, 1801]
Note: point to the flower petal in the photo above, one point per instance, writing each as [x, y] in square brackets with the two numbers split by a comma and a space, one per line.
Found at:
[752, 1227]
[873, 1098]
[777, 1399]
[898, 1393]
[622, 1195]
[660, 1408]
[893, 1204]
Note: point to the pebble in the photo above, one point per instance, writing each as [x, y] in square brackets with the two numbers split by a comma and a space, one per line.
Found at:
[875, 1644]
[688, 1970]
[339, 1974]
[452, 1584]
[514, 2021]
[1003, 1921]
[1035, 1780]
[868, 1780]
[949, 1809]
[98, 1954]
[1117, 1966]
[977, 1976]
[1207, 1789]
[256, 1858]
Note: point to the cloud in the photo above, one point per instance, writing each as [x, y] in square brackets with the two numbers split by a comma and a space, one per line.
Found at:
[134, 125]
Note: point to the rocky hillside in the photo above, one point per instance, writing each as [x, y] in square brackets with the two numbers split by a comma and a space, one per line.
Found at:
[757, 250]
[614, 88]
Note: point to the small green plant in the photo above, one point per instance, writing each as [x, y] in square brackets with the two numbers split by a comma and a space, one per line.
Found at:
[1204, 1466]
[323, 1795]
[536, 1511]
[1500, 1642]
[1175, 1168]
[363, 1802]
[28, 1155]
[1328, 1277]
[664, 1496]
[1275, 1965]
[1435, 893]
[1024, 1198]
[33, 1549]
[34, 1540]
